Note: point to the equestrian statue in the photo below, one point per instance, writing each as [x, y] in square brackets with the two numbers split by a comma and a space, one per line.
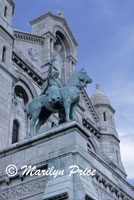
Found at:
[55, 98]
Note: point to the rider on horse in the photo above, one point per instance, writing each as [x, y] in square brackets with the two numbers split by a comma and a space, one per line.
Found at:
[51, 85]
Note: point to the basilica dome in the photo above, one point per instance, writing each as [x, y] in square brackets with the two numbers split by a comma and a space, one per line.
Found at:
[98, 97]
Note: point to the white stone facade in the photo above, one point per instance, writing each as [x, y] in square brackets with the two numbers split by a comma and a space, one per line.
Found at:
[91, 141]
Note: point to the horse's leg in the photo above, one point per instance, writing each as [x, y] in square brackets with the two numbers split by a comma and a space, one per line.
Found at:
[67, 104]
[72, 112]
[39, 124]
[33, 121]
[45, 114]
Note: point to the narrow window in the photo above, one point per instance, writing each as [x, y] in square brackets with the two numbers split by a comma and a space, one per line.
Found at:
[104, 116]
[5, 11]
[15, 132]
[111, 120]
[117, 157]
[72, 64]
[51, 45]
[4, 54]
[53, 124]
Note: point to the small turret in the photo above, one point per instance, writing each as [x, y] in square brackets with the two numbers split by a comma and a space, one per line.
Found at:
[6, 12]
[109, 142]
[104, 110]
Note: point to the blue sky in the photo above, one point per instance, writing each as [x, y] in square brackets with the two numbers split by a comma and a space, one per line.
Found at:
[104, 30]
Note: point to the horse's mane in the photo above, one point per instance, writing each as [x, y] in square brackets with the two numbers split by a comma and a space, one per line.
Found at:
[73, 80]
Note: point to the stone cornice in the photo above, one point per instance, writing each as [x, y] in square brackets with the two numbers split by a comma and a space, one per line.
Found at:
[5, 34]
[110, 188]
[72, 58]
[54, 17]
[103, 177]
[90, 127]
[44, 136]
[28, 37]
[90, 106]
[105, 105]
[111, 135]
[23, 66]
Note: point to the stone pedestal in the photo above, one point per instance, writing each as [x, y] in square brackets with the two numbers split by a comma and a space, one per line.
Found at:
[60, 147]
[69, 147]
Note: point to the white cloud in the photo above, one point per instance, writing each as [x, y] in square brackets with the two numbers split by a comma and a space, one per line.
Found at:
[123, 99]
[127, 155]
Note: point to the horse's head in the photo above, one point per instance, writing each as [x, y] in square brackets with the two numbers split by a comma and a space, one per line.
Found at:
[84, 79]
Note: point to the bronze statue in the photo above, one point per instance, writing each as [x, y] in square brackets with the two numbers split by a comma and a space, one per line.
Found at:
[51, 85]
[56, 99]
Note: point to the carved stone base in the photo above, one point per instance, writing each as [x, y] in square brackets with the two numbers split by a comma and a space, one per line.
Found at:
[24, 190]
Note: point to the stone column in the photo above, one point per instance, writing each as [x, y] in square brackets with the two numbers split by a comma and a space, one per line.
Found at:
[47, 49]
[63, 71]
[68, 68]
[51, 45]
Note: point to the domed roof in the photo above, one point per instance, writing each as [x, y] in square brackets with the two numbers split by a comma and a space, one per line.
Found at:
[98, 97]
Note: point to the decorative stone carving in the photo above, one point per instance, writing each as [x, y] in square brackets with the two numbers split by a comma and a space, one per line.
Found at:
[88, 125]
[29, 37]
[102, 195]
[23, 190]
[106, 190]
[33, 54]
[18, 104]
[18, 100]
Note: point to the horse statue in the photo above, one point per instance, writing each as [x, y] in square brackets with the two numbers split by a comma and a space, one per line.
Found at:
[41, 108]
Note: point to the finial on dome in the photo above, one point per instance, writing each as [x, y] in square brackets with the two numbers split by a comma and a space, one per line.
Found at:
[60, 13]
[97, 86]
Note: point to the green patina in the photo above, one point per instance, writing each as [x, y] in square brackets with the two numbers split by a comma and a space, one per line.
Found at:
[56, 99]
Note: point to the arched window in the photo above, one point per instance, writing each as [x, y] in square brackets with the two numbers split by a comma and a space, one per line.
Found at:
[20, 92]
[4, 54]
[5, 11]
[15, 133]
[53, 124]
[104, 116]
